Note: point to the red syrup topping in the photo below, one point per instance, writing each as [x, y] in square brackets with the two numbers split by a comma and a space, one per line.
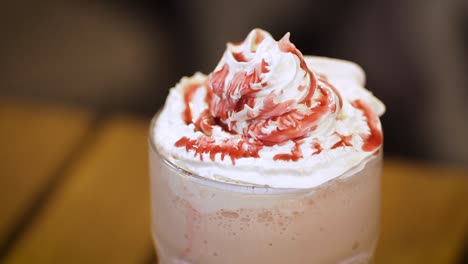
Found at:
[291, 123]
[343, 142]
[318, 148]
[236, 147]
[205, 123]
[239, 56]
[188, 95]
[238, 91]
[285, 45]
[375, 138]
[323, 80]
[295, 155]
[295, 124]
[224, 98]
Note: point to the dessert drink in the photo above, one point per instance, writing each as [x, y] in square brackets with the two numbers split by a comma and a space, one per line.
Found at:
[274, 157]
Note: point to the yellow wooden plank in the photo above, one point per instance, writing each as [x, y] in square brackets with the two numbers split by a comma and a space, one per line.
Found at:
[424, 214]
[100, 213]
[34, 140]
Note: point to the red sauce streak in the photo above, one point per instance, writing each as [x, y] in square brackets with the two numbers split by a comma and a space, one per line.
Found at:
[272, 109]
[285, 45]
[235, 148]
[375, 138]
[217, 79]
[294, 124]
[295, 154]
[205, 123]
[188, 95]
[318, 148]
[224, 98]
[235, 94]
[325, 81]
[209, 97]
[239, 56]
[345, 141]
[263, 67]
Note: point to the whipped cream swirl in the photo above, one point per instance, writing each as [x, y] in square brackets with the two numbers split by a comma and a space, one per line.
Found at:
[264, 89]
[269, 116]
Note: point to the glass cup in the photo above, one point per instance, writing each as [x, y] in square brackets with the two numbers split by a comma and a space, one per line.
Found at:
[200, 220]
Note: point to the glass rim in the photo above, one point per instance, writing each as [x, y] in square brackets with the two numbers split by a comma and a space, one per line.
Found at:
[238, 187]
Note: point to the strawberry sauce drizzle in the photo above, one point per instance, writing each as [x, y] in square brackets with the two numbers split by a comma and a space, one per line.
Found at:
[205, 123]
[324, 81]
[239, 56]
[285, 45]
[237, 93]
[375, 138]
[292, 123]
[345, 141]
[318, 148]
[295, 155]
[236, 147]
[188, 95]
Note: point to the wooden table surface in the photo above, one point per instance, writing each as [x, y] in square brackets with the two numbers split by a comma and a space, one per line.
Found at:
[74, 189]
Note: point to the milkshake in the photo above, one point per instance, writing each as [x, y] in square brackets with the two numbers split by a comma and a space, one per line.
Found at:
[274, 157]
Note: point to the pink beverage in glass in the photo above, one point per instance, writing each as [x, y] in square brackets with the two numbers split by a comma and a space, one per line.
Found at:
[272, 158]
[198, 220]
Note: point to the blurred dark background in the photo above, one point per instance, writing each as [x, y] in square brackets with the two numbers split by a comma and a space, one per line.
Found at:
[124, 55]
